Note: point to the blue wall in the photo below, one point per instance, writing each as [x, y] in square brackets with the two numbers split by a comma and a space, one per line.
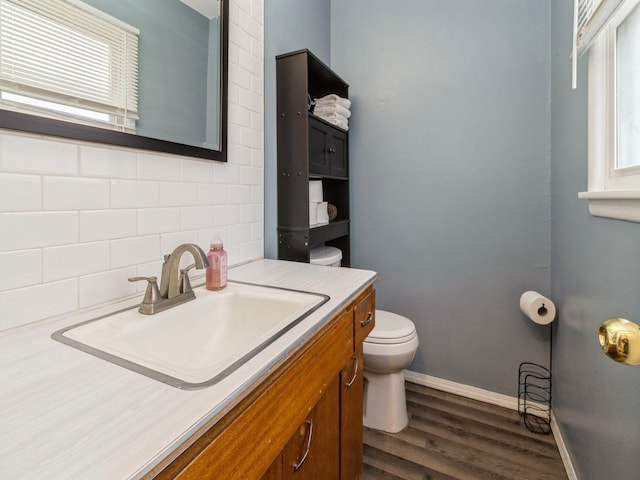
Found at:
[595, 275]
[289, 25]
[449, 150]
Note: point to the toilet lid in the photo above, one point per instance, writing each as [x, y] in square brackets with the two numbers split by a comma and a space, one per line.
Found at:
[391, 328]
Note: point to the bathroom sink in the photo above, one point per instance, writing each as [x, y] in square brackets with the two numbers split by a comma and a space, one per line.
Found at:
[196, 344]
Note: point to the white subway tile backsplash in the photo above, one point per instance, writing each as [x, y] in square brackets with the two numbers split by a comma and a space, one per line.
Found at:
[158, 167]
[107, 225]
[134, 194]
[226, 174]
[20, 192]
[244, 77]
[194, 218]
[77, 218]
[257, 231]
[131, 251]
[250, 213]
[251, 175]
[239, 194]
[26, 154]
[158, 220]
[250, 138]
[226, 215]
[250, 101]
[20, 268]
[243, 156]
[257, 194]
[74, 260]
[24, 305]
[108, 162]
[169, 241]
[239, 233]
[21, 231]
[200, 171]
[75, 193]
[253, 27]
[241, 116]
[105, 286]
[175, 194]
[257, 158]
[212, 194]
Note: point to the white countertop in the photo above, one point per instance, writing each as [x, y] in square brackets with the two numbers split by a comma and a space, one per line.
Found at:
[65, 414]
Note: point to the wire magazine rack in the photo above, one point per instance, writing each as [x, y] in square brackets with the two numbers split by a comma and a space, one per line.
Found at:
[534, 397]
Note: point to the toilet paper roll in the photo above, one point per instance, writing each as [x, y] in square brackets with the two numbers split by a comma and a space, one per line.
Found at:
[313, 213]
[315, 191]
[323, 213]
[537, 307]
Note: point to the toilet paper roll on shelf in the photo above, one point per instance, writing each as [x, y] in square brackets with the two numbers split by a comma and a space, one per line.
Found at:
[315, 191]
[313, 213]
[323, 213]
[537, 307]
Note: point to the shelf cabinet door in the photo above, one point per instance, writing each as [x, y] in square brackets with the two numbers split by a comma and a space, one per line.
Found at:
[327, 149]
[313, 451]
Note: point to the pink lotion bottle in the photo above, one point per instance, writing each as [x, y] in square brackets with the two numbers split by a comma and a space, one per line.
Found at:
[217, 269]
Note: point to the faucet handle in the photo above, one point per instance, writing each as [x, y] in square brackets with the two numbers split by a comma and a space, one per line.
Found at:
[185, 283]
[151, 296]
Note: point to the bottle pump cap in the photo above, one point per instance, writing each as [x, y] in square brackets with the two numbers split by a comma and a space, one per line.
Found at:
[216, 240]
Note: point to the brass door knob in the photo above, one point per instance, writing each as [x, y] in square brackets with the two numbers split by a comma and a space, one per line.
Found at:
[620, 340]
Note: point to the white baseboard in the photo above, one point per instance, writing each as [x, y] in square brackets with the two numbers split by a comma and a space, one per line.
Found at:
[493, 399]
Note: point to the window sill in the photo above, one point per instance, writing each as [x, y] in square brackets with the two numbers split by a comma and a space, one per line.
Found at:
[619, 204]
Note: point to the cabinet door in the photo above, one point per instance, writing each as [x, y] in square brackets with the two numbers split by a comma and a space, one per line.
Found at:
[319, 158]
[338, 153]
[351, 429]
[328, 150]
[313, 453]
[275, 470]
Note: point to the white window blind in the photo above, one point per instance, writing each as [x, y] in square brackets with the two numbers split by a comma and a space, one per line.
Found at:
[68, 53]
[589, 18]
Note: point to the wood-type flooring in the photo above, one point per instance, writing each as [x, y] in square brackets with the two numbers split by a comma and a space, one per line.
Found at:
[455, 438]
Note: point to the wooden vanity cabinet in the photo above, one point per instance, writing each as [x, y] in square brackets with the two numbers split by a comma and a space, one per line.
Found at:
[319, 388]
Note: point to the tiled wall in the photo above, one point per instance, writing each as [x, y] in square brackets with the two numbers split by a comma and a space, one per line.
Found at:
[78, 219]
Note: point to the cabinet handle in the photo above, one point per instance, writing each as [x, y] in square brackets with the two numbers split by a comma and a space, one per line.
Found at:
[355, 372]
[298, 465]
[332, 150]
[367, 320]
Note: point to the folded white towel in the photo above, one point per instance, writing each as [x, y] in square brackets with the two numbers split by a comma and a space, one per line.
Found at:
[337, 120]
[333, 99]
[335, 108]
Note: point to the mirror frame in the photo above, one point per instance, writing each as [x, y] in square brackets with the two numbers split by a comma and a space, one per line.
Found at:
[60, 128]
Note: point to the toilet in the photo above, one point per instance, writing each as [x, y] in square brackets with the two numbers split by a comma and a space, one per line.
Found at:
[388, 350]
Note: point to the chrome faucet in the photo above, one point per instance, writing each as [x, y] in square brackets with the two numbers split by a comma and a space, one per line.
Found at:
[175, 287]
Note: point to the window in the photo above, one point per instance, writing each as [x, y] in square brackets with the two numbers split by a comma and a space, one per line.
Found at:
[67, 60]
[614, 115]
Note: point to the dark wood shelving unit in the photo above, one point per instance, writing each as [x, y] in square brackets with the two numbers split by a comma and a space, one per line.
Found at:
[309, 148]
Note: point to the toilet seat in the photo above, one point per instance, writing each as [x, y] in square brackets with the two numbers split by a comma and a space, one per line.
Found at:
[391, 329]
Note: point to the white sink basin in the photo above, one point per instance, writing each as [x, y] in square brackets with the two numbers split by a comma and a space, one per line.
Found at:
[195, 344]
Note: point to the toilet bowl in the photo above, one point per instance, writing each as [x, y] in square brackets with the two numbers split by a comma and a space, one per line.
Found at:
[388, 350]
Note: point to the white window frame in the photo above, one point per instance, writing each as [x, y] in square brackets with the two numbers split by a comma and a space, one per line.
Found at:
[612, 193]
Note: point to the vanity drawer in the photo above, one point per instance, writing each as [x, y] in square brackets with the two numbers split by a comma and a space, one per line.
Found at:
[364, 317]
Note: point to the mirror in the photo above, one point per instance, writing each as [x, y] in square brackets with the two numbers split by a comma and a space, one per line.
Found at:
[180, 73]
